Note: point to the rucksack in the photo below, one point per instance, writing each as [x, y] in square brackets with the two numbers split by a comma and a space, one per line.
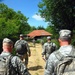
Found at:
[5, 67]
[21, 47]
[66, 64]
[50, 48]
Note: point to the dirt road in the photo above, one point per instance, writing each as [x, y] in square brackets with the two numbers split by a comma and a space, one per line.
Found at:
[36, 63]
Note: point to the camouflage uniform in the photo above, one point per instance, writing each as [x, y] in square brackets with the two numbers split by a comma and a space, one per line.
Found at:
[33, 42]
[64, 50]
[17, 67]
[42, 42]
[17, 64]
[48, 48]
[50, 65]
[25, 55]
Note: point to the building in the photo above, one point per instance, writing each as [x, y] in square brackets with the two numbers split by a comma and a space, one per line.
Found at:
[38, 34]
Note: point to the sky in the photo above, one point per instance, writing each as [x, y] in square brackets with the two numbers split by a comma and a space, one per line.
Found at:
[29, 8]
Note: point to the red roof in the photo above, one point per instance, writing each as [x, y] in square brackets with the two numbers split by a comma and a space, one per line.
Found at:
[39, 33]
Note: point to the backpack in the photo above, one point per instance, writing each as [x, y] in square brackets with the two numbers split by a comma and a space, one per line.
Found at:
[50, 48]
[66, 65]
[5, 67]
[21, 47]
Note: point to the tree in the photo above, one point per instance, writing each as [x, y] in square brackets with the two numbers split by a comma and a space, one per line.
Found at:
[61, 13]
[40, 28]
[33, 28]
[51, 29]
[12, 23]
[24, 27]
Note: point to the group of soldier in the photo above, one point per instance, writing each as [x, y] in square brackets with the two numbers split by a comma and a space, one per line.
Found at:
[19, 68]
[49, 53]
[66, 50]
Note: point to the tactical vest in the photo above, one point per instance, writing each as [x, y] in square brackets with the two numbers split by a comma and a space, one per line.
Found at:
[49, 48]
[21, 47]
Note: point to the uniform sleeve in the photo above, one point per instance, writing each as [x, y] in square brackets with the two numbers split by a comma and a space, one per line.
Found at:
[54, 46]
[49, 69]
[18, 64]
[44, 50]
[16, 43]
[28, 49]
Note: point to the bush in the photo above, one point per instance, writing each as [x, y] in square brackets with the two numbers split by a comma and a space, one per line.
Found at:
[73, 42]
[37, 41]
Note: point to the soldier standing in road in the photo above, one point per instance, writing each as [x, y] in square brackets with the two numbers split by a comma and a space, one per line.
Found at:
[23, 50]
[42, 42]
[33, 42]
[48, 48]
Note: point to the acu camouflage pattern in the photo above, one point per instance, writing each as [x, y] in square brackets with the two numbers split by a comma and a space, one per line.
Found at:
[49, 48]
[17, 66]
[66, 65]
[21, 47]
[6, 68]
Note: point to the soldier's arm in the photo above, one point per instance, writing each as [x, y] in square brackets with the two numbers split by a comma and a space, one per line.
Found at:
[49, 69]
[16, 43]
[28, 49]
[44, 50]
[54, 46]
[19, 65]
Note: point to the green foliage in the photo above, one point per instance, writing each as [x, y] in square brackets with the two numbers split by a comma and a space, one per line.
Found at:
[51, 29]
[37, 41]
[73, 42]
[61, 13]
[44, 39]
[12, 23]
[73, 39]
[33, 28]
[40, 28]
[14, 52]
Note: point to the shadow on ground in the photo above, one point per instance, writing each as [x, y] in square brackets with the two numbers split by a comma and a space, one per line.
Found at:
[35, 68]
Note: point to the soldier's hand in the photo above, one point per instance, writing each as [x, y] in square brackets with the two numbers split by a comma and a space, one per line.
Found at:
[29, 55]
[43, 58]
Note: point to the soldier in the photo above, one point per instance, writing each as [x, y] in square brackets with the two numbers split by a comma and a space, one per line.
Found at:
[48, 48]
[23, 52]
[42, 42]
[33, 42]
[18, 67]
[65, 49]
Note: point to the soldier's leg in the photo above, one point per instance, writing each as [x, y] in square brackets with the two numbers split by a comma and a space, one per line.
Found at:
[26, 60]
[21, 58]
